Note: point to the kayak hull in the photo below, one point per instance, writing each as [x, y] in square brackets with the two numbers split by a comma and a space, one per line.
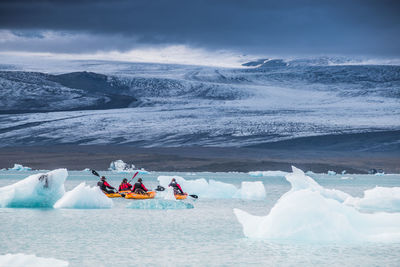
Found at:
[148, 195]
[113, 195]
[180, 197]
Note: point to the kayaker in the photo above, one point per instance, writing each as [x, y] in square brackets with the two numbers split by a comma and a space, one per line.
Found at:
[139, 187]
[104, 185]
[125, 185]
[177, 188]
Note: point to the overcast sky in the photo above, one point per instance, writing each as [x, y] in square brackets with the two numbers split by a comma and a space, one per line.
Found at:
[282, 27]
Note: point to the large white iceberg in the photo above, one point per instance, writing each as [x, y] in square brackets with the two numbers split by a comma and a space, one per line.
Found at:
[309, 212]
[216, 189]
[37, 190]
[84, 197]
[19, 260]
[120, 166]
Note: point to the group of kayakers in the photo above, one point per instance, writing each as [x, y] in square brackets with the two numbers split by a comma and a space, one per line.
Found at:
[137, 187]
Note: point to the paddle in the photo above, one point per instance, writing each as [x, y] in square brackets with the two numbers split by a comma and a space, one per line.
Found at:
[97, 174]
[133, 177]
[161, 188]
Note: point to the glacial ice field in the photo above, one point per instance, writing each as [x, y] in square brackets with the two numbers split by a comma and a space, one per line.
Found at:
[153, 105]
[240, 219]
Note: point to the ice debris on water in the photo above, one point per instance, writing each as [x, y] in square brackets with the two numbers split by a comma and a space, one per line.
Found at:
[160, 204]
[215, 189]
[120, 166]
[21, 259]
[19, 167]
[268, 173]
[37, 190]
[309, 212]
[331, 173]
[84, 197]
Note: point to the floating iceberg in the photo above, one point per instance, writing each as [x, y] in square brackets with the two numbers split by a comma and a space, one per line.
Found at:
[251, 190]
[216, 189]
[19, 167]
[331, 173]
[268, 173]
[120, 166]
[20, 259]
[84, 197]
[160, 204]
[377, 199]
[309, 212]
[38, 190]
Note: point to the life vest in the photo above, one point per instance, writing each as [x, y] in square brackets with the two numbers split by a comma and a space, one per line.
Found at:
[124, 186]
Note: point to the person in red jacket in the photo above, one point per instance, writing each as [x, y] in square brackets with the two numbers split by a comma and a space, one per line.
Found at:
[139, 187]
[124, 185]
[177, 188]
[104, 185]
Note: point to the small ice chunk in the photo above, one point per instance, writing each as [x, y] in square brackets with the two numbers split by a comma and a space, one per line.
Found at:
[160, 204]
[19, 167]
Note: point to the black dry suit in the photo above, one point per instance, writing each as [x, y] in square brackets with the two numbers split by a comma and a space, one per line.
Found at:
[104, 185]
[177, 188]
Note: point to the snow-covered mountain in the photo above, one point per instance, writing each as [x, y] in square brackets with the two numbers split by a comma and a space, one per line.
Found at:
[93, 102]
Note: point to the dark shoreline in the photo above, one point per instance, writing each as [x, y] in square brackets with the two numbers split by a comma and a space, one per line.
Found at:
[355, 153]
[75, 157]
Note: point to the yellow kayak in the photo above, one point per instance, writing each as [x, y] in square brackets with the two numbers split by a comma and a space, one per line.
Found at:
[113, 195]
[148, 195]
[179, 196]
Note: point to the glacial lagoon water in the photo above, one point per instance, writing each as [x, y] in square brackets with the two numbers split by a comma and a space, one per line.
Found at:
[206, 232]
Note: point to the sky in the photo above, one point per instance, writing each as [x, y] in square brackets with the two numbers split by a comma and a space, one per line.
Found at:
[188, 31]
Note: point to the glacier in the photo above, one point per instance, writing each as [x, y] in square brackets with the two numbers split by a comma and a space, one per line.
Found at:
[125, 103]
[40, 190]
[310, 213]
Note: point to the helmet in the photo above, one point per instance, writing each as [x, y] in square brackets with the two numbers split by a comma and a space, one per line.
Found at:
[103, 178]
[125, 180]
[139, 180]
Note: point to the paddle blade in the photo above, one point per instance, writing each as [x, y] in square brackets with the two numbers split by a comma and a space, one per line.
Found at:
[194, 196]
[160, 188]
[95, 173]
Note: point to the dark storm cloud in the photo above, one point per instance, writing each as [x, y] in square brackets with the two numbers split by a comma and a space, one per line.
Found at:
[293, 27]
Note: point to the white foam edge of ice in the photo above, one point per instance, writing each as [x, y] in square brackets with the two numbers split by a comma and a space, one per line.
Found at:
[84, 197]
[20, 260]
